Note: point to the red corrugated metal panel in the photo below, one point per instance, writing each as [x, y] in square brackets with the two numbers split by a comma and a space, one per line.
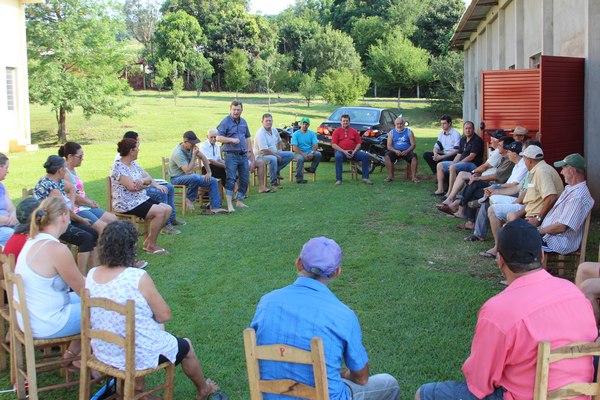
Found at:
[561, 126]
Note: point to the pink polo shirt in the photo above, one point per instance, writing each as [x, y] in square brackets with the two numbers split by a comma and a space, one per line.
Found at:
[535, 307]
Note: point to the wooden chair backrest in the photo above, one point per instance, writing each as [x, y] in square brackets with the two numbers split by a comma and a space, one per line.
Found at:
[15, 282]
[165, 167]
[109, 207]
[25, 193]
[8, 259]
[584, 238]
[285, 353]
[546, 356]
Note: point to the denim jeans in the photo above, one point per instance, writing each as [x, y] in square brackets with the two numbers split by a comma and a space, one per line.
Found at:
[464, 166]
[193, 182]
[5, 233]
[300, 163]
[236, 166]
[452, 390]
[359, 156]
[274, 166]
[167, 198]
[379, 387]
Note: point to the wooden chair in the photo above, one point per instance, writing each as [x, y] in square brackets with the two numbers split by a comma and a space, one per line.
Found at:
[126, 378]
[565, 265]
[25, 193]
[293, 171]
[546, 356]
[6, 359]
[136, 221]
[22, 341]
[180, 190]
[353, 170]
[285, 353]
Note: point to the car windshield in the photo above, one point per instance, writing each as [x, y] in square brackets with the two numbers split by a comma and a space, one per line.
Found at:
[357, 115]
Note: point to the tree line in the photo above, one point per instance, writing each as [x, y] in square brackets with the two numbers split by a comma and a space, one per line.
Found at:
[338, 49]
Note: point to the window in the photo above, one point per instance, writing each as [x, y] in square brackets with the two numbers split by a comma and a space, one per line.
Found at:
[10, 89]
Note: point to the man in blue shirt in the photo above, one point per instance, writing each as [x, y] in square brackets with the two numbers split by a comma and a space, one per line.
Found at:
[307, 308]
[400, 145]
[233, 132]
[304, 144]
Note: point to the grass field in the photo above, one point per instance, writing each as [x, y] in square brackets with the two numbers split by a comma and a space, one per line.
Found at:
[414, 283]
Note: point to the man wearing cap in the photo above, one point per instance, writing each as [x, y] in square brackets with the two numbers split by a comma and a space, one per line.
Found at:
[182, 165]
[400, 145]
[304, 145]
[346, 142]
[296, 313]
[267, 147]
[535, 202]
[233, 132]
[534, 307]
[446, 146]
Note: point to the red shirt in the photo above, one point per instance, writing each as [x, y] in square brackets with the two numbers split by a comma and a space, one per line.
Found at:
[347, 139]
[15, 244]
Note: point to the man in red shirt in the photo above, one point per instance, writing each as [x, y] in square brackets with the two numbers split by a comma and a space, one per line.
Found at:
[346, 142]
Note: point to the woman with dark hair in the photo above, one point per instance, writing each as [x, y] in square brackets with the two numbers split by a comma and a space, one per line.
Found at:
[84, 206]
[114, 280]
[129, 182]
[79, 232]
[8, 217]
[17, 240]
[48, 271]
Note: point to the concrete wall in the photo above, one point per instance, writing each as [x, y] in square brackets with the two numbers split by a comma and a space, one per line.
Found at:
[13, 57]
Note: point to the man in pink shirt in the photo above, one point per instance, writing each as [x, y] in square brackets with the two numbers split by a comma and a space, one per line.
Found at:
[534, 307]
[346, 142]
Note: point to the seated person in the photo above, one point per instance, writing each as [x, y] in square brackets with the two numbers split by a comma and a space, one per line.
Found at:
[212, 151]
[401, 145]
[49, 272]
[17, 240]
[128, 183]
[267, 148]
[469, 157]
[535, 307]
[8, 217]
[304, 145]
[446, 146]
[182, 165]
[296, 313]
[588, 280]
[346, 142]
[79, 232]
[520, 134]
[114, 280]
[163, 192]
[84, 206]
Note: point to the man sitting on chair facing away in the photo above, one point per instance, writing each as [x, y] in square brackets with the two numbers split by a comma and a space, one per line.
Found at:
[307, 308]
[534, 307]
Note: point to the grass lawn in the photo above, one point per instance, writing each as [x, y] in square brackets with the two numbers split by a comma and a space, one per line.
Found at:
[414, 283]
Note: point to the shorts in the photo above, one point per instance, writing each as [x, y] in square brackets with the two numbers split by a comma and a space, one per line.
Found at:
[73, 325]
[394, 157]
[92, 214]
[452, 390]
[143, 209]
[502, 210]
[183, 348]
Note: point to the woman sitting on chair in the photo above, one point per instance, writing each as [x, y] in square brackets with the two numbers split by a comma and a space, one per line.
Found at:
[84, 206]
[48, 270]
[129, 182]
[80, 232]
[8, 218]
[153, 345]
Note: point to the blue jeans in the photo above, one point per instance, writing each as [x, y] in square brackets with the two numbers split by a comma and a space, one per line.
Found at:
[464, 166]
[167, 198]
[92, 215]
[300, 163]
[274, 166]
[359, 156]
[379, 387]
[452, 390]
[236, 166]
[193, 182]
[5, 233]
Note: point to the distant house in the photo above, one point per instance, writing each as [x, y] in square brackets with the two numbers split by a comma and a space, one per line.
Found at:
[517, 34]
[15, 132]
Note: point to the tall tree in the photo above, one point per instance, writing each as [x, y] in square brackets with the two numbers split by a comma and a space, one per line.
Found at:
[435, 26]
[294, 31]
[75, 59]
[448, 82]
[309, 87]
[330, 49]
[265, 69]
[236, 68]
[396, 63]
[367, 31]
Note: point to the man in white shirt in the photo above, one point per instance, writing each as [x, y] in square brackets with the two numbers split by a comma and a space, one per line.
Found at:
[212, 150]
[267, 147]
[446, 146]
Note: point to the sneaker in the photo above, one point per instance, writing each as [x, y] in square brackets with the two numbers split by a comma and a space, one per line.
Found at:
[141, 264]
[169, 230]
[301, 181]
[338, 182]
[179, 223]
[367, 181]
[310, 170]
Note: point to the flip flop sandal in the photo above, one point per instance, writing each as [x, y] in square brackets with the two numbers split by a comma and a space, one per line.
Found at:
[473, 238]
[487, 254]
[156, 251]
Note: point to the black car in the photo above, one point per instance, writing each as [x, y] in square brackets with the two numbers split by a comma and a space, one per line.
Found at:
[368, 121]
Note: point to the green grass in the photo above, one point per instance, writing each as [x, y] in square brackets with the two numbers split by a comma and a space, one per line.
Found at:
[414, 283]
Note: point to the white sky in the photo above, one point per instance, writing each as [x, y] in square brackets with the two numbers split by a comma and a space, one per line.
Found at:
[269, 7]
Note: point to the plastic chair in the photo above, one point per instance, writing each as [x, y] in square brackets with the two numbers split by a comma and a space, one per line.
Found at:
[289, 354]
[180, 190]
[126, 378]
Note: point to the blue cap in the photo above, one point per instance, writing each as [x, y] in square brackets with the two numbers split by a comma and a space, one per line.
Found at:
[321, 256]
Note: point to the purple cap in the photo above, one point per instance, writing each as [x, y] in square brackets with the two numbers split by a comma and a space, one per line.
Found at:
[321, 256]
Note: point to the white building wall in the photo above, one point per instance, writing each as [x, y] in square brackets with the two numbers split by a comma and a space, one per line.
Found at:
[510, 32]
[532, 26]
[570, 28]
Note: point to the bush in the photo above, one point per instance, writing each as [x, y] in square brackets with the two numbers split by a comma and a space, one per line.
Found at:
[343, 87]
[448, 87]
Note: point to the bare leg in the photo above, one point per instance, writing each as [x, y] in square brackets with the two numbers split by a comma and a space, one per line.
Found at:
[414, 164]
[585, 271]
[83, 260]
[390, 168]
[160, 214]
[495, 225]
[452, 177]
[591, 290]
[440, 178]
[459, 184]
[229, 203]
[107, 218]
[99, 226]
[193, 370]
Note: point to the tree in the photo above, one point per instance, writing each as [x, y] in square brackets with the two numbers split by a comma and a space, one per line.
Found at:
[330, 49]
[177, 88]
[396, 63]
[343, 87]
[294, 31]
[236, 68]
[266, 68]
[448, 85]
[309, 87]
[75, 59]
[367, 31]
[436, 24]
[200, 69]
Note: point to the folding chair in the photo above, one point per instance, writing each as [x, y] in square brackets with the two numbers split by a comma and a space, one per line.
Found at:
[289, 354]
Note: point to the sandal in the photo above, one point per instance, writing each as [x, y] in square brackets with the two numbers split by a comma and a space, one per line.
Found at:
[473, 238]
[464, 226]
[157, 250]
[487, 254]
[268, 191]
